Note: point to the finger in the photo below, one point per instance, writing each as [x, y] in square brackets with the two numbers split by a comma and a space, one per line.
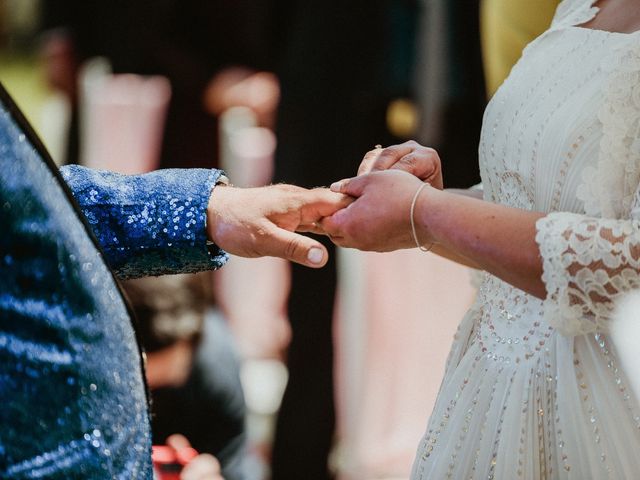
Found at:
[311, 228]
[177, 441]
[353, 187]
[435, 179]
[185, 455]
[416, 164]
[368, 160]
[333, 225]
[339, 186]
[322, 202]
[297, 248]
[203, 467]
[390, 155]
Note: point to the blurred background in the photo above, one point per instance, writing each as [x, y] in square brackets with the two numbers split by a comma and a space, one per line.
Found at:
[281, 372]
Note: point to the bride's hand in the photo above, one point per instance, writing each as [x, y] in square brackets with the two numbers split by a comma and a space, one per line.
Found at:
[379, 218]
[423, 162]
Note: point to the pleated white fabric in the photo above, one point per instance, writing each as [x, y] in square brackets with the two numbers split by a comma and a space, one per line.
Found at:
[533, 389]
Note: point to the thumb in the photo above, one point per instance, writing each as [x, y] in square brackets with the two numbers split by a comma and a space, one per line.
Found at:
[203, 467]
[351, 186]
[297, 248]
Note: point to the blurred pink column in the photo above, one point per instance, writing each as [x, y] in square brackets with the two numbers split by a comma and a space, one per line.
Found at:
[252, 292]
[122, 119]
[397, 315]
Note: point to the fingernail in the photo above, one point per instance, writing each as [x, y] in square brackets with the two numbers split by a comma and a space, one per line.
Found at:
[315, 255]
[336, 187]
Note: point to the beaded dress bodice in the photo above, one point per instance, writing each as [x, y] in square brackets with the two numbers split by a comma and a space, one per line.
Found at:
[541, 132]
[532, 388]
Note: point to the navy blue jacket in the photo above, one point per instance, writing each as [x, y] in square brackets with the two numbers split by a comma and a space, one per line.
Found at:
[72, 392]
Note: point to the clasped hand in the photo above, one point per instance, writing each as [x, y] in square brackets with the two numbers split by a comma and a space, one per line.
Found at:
[379, 217]
[368, 212]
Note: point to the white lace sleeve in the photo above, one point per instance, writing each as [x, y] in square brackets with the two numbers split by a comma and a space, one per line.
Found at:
[588, 263]
[591, 260]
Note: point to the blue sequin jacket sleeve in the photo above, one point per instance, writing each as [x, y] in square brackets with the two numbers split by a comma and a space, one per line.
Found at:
[151, 224]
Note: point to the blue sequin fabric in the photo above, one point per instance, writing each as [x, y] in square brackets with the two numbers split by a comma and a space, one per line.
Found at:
[72, 395]
[150, 224]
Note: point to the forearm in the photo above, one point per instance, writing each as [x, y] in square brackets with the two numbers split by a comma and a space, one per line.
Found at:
[444, 252]
[498, 239]
[148, 224]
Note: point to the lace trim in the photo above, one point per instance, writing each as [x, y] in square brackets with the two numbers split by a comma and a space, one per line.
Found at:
[609, 188]
[588, 263]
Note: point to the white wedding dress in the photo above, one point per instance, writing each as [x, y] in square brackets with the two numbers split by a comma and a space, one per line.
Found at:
[532, 388]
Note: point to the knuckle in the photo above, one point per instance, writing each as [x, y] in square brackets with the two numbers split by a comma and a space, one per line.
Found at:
[386, 154]
[365, 165]
[412, 159]
[256, 243]
[391, 150]
[432, 152]
[291, 248]
[408, 163]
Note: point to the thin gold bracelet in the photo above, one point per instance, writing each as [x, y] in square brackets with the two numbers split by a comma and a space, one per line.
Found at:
[413, 224]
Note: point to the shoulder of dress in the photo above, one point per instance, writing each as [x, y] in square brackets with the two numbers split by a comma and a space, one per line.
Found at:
[574, 12]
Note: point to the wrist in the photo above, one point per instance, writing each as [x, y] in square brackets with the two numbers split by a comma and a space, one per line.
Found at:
[216, 209]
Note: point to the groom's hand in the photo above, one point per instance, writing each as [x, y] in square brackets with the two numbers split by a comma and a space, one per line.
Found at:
[257, 222]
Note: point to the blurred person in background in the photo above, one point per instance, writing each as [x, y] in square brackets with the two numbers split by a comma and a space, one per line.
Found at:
[192, 369]
[209, 50]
